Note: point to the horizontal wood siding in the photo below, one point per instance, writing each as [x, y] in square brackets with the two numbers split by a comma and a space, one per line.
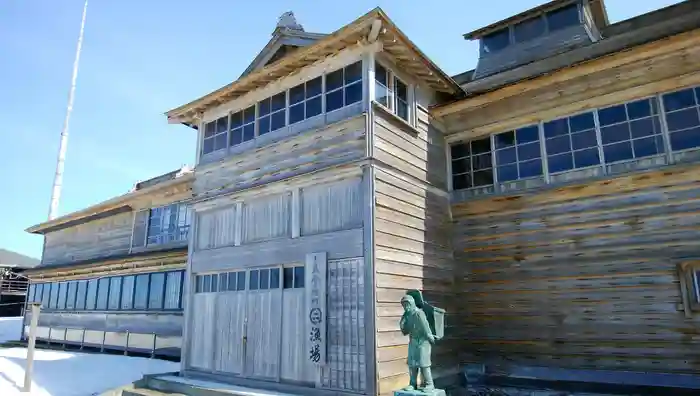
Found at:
[331, 207]
[412, 241]
[335, 144]
[162, 323]
[583, 276]
[100, 238]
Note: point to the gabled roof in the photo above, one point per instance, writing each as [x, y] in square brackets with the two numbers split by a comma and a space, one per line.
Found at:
[371, 27]
[288, 34]
[13, 259]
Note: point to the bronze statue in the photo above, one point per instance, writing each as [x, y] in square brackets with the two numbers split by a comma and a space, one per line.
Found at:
[423, 324]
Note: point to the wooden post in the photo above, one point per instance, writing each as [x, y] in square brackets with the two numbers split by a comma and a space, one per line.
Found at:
[36, 307]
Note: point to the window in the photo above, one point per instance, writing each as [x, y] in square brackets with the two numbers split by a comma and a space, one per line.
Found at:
[46, 296]
[157, 288]
[381, 85]
[62, 294]
[141, 292]
[264, 279]
[70, 298]
[242, 126]
[173, 290]
[293, 277]
[168, 224]
[518, 154]
[689, 276]
[471, 164]
[683, 118]
[102, 294]
[81, 295]
[91, 299]
[115, 287]
[128, 292]
[215, 133]
[631, 130]
[401, 99]
[571, 143]
[305, 100]
[563, 17]
[495, 41]
[344, 87]
[272, 113]
[529, 29]
[236, 281]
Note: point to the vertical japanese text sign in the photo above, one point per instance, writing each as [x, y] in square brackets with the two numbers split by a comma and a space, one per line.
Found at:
[315, 283]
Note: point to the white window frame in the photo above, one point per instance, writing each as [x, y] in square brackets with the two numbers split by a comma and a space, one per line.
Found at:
[392, 78]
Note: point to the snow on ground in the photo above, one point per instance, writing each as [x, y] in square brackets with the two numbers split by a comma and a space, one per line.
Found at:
[10, 329]
[60, 373]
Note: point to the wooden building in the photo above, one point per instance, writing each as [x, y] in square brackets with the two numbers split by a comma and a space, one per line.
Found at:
[111, 275]
[13, 284]
[574, 178]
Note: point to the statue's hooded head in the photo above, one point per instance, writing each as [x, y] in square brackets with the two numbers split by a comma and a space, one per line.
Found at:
[408, 303]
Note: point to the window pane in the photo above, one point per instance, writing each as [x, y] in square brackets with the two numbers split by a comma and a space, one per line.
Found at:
[222, 124]
[264, 107]
[530, 168]
[380, 74]
[288, 275]
[648, 146]
[683, 119]
[210, 129]
[236, 120]
[645, 127]
[173, 285]
[279, 101]
[274, 278]
[248, 132]
[297, 94]
[128, 292]
[506, 156]
[582, 122]
[682, 140]
[81, 295]
[563, 18]
[507, 173]
[263, 125]
[381, 94]
[314, 106]
[586, 139]
[334, 100]
[481, 162]
[72, 290]
[612, 115]
[495, 41]
[62, 293]
[296, 113]
[529, 29]
[264, 279]
[220, 142]
[91, 294]
[207, 146]
[528, 134]
[615, 133]
[334, 80]
[141, 292]
[460, 150]
[249, 115]
[155, 296]
[639, 109]
[556, 128]
[298, 277]
[236, 137]
[528, 151]
[232, 281]
[618, 152]
[278, 120]
[585, 158]
[505, 139]
[679, 100]
[54, 295]
[102, 294]
[560, 163]
[461, 165]
[314, 87]
[461, 181]
[353, 72]
[481, 146]
[353, 93]
[402, 109]
[241, 280]
[557, 145]
[483, 178]
[115, 287]
[254, 282]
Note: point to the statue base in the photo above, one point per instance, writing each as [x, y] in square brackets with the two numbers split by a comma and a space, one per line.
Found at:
[420, 392]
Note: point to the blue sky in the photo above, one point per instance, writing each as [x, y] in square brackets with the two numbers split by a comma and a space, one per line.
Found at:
[142, 58]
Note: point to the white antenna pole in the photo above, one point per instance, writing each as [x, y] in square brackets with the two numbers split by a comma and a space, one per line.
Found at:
[58, 177]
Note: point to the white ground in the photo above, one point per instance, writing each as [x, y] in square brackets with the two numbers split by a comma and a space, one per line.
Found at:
[58, 373]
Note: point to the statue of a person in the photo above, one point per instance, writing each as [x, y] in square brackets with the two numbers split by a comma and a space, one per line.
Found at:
[414, 324]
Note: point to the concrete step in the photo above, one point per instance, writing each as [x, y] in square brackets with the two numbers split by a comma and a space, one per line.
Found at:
[171, 384]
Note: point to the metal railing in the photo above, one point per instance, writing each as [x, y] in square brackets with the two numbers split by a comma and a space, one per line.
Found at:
[14, 286]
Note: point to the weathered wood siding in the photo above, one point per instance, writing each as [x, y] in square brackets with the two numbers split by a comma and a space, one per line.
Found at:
[582, 276]
[412, 240]
[100, 238]
[335, 144]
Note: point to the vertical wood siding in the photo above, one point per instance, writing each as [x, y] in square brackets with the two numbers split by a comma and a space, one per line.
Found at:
[335, 144]
[582, 276]
[295, 339]
[264, 332]
[201, 338]
[346, 365]
[413, 247]
[216, 228]
[331, 207]
[100, 238]
[267, 218]
[230, 326]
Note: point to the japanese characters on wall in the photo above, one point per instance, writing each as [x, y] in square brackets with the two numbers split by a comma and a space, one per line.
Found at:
[316, 306]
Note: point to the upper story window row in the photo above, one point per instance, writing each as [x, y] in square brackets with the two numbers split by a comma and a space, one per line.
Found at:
[162, 225]
[312, 98]
[531, 28]
[642, 129]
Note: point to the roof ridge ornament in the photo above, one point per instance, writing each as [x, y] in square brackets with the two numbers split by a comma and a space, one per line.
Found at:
[287, 21]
